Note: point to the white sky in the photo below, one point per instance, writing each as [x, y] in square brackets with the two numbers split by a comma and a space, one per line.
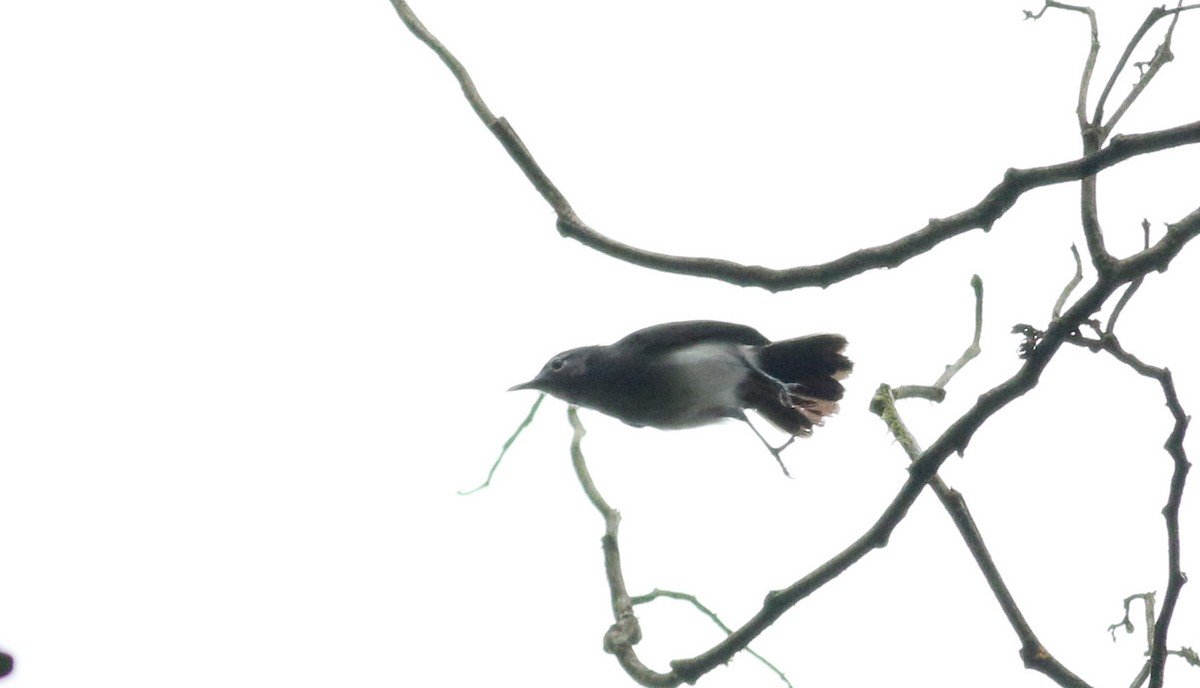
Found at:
[264, 279]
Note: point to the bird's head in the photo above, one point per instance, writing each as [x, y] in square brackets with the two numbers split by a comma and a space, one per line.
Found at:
[564, 376]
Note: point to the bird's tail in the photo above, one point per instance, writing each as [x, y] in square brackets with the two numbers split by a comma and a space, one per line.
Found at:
[810, 369]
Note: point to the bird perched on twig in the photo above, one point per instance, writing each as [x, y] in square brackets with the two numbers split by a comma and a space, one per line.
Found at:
[693, 373]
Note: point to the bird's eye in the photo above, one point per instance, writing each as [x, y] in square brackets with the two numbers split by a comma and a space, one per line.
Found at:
[557, 364]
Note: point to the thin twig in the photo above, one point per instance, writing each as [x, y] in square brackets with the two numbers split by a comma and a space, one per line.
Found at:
[508, 443]
[1162, 55]
[625, 631]
[1188, 654]
[691, 599]
[456, 68]
[1142, 675]
[972, 349]
[1051, 4]
[1075, 280]
[1133, 286]
[1089, 65]
[1147, 599]
[927, 392]
[937, 391]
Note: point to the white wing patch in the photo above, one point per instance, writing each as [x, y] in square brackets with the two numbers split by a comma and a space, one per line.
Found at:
[711, 372]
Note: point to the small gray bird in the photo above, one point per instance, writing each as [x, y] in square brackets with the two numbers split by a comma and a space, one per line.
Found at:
[687, 374]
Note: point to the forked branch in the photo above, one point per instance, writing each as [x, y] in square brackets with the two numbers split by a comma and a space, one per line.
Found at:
[883, 404]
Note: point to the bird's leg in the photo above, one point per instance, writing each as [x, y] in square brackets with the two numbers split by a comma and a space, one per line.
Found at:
[775, 451]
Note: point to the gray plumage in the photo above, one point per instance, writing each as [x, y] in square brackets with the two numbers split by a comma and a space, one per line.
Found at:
[687, 374]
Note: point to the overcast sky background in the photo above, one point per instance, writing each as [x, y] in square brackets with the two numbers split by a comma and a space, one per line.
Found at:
[264, 279]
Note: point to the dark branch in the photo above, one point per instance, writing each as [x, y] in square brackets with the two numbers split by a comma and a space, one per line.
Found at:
[1112, 275]
[980, 216]
[1161, 56]
[625, 633]
[1033, 653]
[1174, 447]
[954, 439]
[883, 404]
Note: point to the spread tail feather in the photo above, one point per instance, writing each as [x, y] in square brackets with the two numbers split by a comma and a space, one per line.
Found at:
[809, 369]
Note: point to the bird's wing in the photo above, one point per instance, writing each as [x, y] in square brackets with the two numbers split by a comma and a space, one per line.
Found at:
[668, 336]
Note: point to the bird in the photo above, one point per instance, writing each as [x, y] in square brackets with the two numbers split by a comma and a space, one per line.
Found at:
[697, 372]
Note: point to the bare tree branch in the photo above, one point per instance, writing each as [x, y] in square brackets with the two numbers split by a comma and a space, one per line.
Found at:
[1033, 653]
[1174, 447]
[1152, 18]
[883, 404]
[1095, 133]
[1094, 49]
[980, 216]
[1162, 55]
[625, 632]
[1039, 349]
[460, 72]
[954, 439]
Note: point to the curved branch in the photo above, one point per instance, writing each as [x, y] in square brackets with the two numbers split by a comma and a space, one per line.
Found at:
[1093, 50]
[1002, 197]
[1174, 447]
[980, 216]
[973, 349]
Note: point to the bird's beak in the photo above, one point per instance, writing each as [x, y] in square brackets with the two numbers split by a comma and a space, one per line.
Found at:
[532, 384]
